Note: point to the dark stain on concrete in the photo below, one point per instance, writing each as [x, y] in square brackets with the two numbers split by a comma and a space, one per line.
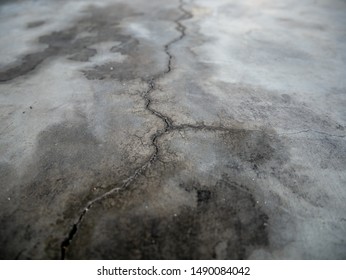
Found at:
[6, 1]
[102, 24]
[8, 249]
[265, 153]
[127, 47]
[203, 196]
[83, 55]
[69, 169]
[333, 151]
[223, 222]
[7, 174]
[300, 24]
[255, 147]
[301, 185]
[150, 78]
[54, 172]
[35, 24]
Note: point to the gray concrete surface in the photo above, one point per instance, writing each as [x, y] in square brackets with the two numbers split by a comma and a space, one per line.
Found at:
[173, 130]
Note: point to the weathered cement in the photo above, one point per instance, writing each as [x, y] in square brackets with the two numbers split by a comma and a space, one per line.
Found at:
[173, 130]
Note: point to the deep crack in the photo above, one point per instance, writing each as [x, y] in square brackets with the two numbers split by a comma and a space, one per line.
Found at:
[154, 139]
[168, 127]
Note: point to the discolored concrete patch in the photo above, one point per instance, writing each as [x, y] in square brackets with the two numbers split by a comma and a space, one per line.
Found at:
[101, 25]
[173, 130]
[35, 24]
[220, 221]
[56, 182]
[170, 214]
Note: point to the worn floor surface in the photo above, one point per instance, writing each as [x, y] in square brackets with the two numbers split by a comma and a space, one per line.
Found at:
[173, 130]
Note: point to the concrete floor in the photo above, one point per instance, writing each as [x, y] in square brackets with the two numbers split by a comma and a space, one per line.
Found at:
[173, 130]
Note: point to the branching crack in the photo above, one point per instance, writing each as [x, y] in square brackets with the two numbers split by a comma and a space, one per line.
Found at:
[154, 139]
[169, 126]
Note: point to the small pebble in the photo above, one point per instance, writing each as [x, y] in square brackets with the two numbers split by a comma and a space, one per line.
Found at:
[8, 198]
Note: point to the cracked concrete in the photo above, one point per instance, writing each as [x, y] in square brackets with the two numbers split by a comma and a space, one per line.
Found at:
[173, 130]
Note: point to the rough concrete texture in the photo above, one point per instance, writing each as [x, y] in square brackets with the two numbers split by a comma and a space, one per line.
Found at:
[173, 130]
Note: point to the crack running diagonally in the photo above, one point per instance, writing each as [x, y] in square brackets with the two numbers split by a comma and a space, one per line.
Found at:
[154, 139]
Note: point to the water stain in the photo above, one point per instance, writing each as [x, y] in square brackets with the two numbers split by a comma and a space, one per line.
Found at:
[68, 169]
[7, 174]
[102, 25]
[126, 48]
[255, 147]
[225, 213]
[301, 24]
[35, 24]
[266, 154]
